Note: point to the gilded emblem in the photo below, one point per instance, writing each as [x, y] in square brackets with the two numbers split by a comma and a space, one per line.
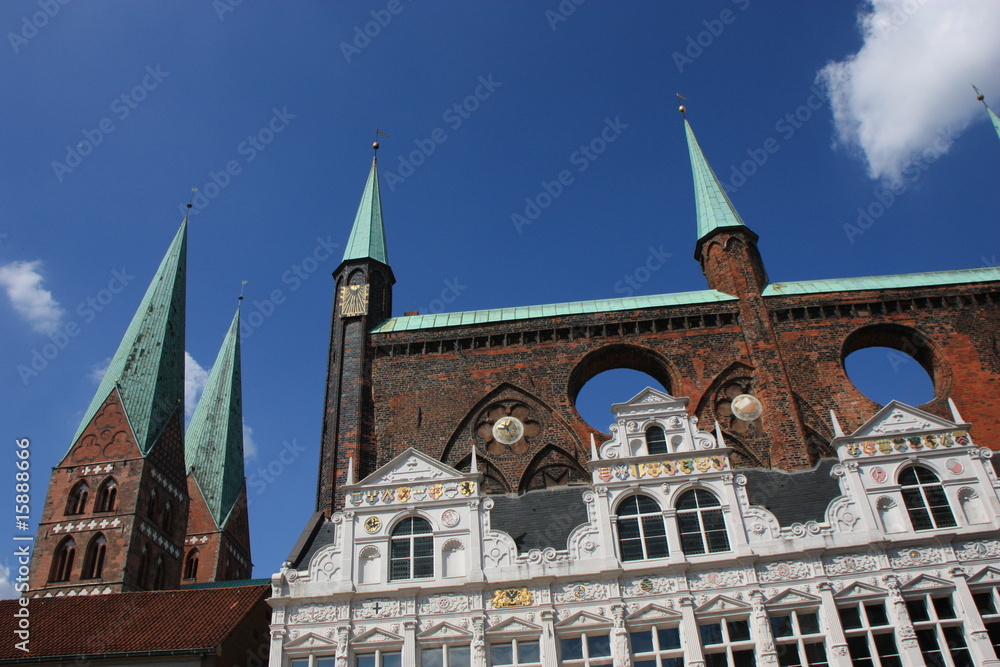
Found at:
[702, 464]
[868, 447]
[467, 488]
[853, 448]
[686, 466]
[718, 462]
[353, 300]
[371, 497]
[899, 444]
[669, 468]
[931, 441]
[653, 469]
[403, 493]
[884, 446]
[372, 524]
[387, 495]
[512, 597]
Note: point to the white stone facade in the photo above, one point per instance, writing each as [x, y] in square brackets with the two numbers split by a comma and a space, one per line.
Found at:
[673, 566]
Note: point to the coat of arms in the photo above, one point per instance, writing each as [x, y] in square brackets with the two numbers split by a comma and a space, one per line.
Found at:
[435, 491]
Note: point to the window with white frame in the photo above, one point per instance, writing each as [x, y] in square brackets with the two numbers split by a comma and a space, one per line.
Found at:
[798, 639]
[656, 440]
[657, 647]
[988, 604]
[939, 630]
[411, 550]
[317, 661]
[642, 533]
[445, 656]
[701, 523]
[925, 499]
[586, 650]
[378, 658]
[727, 643]
[870, 637]
[515, 653]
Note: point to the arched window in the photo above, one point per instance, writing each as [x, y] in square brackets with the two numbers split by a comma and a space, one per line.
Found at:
[62, 560]
[925, 500]
[167, 520]
[93, 560]
[151, 505]
[411, 550]
[701, 523]
[143, 574]
[656, 441]
[191, 565]
[159, 573]
[641, 531]
[77, 502]
[107, 495]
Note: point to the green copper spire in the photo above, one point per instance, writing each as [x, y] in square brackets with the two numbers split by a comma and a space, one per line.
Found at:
[996, 121]
[213, 446]
[148, 367]
[368, 235]
[711, 202]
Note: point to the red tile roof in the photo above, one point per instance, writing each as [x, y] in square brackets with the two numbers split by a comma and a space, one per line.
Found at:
[129, 622]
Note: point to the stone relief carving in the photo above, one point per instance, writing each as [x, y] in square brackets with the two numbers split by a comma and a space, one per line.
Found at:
[761, 524]
[324, 565]
[376, 608]
[579, 592]
[443, 604]
[842, 514]
[850, 563]
[976, 549]
[716, 579]
[414, 470]
[313, 613]
[784, 571]
[499, 549]
[642, 586]
[914, 556]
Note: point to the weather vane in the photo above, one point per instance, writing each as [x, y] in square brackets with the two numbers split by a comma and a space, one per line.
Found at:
[980, 96]
[378, 132]
[242, 285]
[681, 98]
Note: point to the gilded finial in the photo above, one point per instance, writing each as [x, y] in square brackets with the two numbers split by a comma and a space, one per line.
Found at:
[242, 285]
[375, 143]
[681, 108]
[980, 97]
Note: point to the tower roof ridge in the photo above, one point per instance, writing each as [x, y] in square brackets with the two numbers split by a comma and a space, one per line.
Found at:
[367, 240]
[712, 204]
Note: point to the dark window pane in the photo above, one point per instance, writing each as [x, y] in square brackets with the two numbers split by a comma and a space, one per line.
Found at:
[653, 526]
[713, 520]
[808, 624]
[876, 614]
[927, 639]
[656, 442]
[329, 661]
[744, 659]
[943, 607]
[781, 626]
[710, 633]
[458, 656]
[432, 657]
[672, 662]
[657, 547]
[718, 541]
[642, 642]
[365, 660]
[716, 660]
[849, 617]
[527, 651]
[815, 653]
[599, 646]
[917, 610]
[628, 529]
[788, 655]
[885, 645]
[858, 648]
[299, 662]
[644, 663]
[692, 544]
[954, 637]
[738, 630]
[985, 603]
[392, 659]
[669, 638]
[572, 648]
[502, 654]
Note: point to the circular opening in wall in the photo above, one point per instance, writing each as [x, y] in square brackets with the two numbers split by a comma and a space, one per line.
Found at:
[884, 374]
[615, 386]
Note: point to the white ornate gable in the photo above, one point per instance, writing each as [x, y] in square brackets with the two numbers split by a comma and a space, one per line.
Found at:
[376, 635]
[582, 619]
[898, 418]
[926, 581]
[790, 597]
[652, 407]
[859, 589]
[722, 603]
[653, 612]
[988, 575]
[411, 467]
[310, 640]
[515, 625]
[444, 631]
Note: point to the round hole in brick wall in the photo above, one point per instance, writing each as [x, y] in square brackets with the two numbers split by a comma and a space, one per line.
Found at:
[618, 385]
[884, 374]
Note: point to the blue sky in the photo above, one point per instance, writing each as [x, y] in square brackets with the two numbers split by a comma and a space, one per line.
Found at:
[113, 111]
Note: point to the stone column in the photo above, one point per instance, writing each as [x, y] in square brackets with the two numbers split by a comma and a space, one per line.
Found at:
[979, 640]
[409, 656]
[547, 642]
[478, 658]
[835, 639]
[766, 655]
[343, 645]
[620, 649]
[689, 631]
[906, 636]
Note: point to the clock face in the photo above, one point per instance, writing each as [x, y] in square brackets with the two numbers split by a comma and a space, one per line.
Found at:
[508, 430]
[746, 407]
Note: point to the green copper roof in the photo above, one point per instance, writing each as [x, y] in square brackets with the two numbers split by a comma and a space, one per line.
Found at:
[149, 364]
[930, 279]
[413, 322]
[996, 121]
[214, 442]
[711, 202]
[368, 235]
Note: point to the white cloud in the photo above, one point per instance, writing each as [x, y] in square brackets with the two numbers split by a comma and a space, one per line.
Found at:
[98, 370]
[195, 377]
[249, 445]
[907, 90]
[7, 591]
[23, 284]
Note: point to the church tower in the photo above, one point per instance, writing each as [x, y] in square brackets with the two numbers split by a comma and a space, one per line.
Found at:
[115, 515]
[362, 299]
[218, 531]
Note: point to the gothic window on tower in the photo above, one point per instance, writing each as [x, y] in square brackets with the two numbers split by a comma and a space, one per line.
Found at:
[191, 565]
[411, 550]
[77, 502]
[656, 440]
[925, 499]
[93, 560]
[515, 653]
[143, 573]
[107, 496]
[642, 533]
[727, 643]
[701, 523]
[939, 630]
[151, 505]
[798, 638]
[159, 573]
[62, 560]
[870, 637]
[167, 520]
[587, 650]
[663, 643]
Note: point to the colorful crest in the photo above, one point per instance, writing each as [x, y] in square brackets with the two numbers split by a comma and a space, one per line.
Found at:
[653, 469]
[702, 464]
[686, 466]
[930, 441]
[853, 448]
[884, 446]
[435, 491]
[718, 462]
[899, 444]
[604, 474]
[371, 496]
[669, 468]
[467, 488]
[916, 442]
[868, 447]
[403, 493]
[387, 495]
[879, 475]
[356, 498]
[621, 471]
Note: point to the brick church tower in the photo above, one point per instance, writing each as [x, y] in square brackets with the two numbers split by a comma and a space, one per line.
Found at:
[116, 515]
[764, 360]
[218, 531]
[362, 299]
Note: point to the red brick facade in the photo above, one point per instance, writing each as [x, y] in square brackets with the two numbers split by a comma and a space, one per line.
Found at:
[213, 553]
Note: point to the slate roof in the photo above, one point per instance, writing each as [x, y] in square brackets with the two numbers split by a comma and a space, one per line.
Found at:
[213, 445]
[149, 364]
[165, 622]
[540, 519]
[367, 239]
[794, 497]
[712, 204]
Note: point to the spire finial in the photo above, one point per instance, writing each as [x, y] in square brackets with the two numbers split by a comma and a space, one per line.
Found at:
[474, 465]
[681, 108]
[243, 284]
[350, 471]
[375, 145]
[980, 96]
[594, 456]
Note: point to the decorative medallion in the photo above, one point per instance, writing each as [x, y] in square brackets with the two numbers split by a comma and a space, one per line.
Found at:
[508, 430]
[954, 467]
[450, 518]
[879, 474]
[467, 488]
[646, 585]
[512, 597]
[746, 407]
[372, 524]
[353, 300]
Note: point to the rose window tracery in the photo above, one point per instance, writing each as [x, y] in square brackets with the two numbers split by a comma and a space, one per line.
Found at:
[507, 427]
